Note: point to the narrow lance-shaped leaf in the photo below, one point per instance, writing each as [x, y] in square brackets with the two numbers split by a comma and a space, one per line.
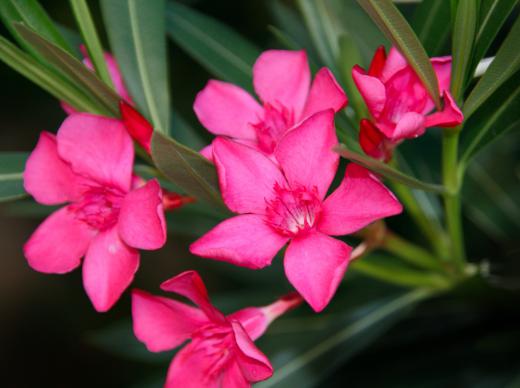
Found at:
[74, 69]
[186, 168]
[387, 171]
[222, 51]
[46, 78]
[429, 23]
[91, 39]
[397, 30]
[136, 30]
[31, 13]
[463, 36]
[505, 64]
[12, 165]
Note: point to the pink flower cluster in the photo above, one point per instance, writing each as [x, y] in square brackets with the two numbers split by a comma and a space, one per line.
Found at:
[275, 166]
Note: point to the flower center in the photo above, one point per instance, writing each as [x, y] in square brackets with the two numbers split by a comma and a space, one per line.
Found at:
[216, 344]
[293, 211]
[99, 207]
[276, 121]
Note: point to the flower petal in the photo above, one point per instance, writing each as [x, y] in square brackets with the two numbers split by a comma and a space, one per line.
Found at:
[373, 142]
[378, 62]
[254, 364]
[282, 77]
[359, 200]
[207, 152]
[108, 269]
[247, 177]
[395, 61]
[255, 320]
[188, 370]
[305, 153]
[442, 68]
[409, 126]
[47, 177]
[59, 243]
[190, 285]
[372, 90]
[325, 94]
[315, 265]
[136, 125]
[244, 240]
[161, 323]
[97, 147]
[233, 377]
[141, 221]
[450, 116]
[225, 109]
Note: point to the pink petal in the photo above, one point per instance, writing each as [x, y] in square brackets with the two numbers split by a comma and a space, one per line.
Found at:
[315, 265]
[117, 78]
[450, 116]
[188, 370]
[305, 153]
[442, 68]
[325, 94]
[225, 109]
[108, 269]
[359, 200]
[255, 320]
[233, 377]
[252, 362]
[59, 243]
[97, 147]
[161, 323]
[244, 240]
[394, 62]
[207, 152]
[246, 176]
[409, 126]
[283, 77]
[190, 285]
[141, 219]
[373, 142]
[378, 62]
[47, 177]
[372, 90]
[137, 126]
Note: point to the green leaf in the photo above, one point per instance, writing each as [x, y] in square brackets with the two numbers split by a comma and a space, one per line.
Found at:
[74, 69]
[462, 45]
[493, 14]
[46, 78]
[397, 30]
[136, 30]
[222, 51]
[386, 171]
[497, 116]
[91, 39]
[429, 23]
[12, 165]
[186, 168]
[33, 15]
[505, 64]
[359, 328]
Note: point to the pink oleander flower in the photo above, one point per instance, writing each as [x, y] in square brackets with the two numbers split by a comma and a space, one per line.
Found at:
[284, 201]
[88, 165]
[221, 352]
[281, 80]
[115, 76]
[399, 104]
[137, 126]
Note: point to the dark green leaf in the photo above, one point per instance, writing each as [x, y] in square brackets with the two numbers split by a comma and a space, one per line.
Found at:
[186, 168]
[218, 48]
[386, 171]
[397, 30]
[493, 14]
[12, 165]
[91, 39]
[429, 23]
[462, 45]
[136, 30]
[33, 15]
[505, 64]
[46, 78]
[74, 69]
[497, 116]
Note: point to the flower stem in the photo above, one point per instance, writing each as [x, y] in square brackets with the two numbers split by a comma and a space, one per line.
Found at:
[452, 206]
